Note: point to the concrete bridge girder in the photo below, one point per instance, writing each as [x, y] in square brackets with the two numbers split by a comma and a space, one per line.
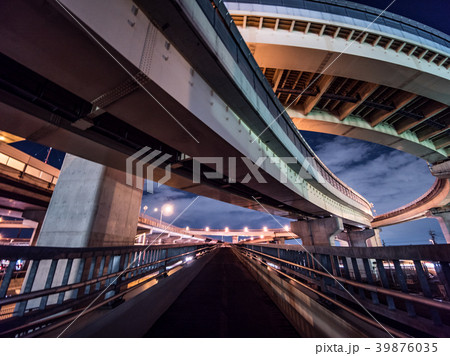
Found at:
[282, 49]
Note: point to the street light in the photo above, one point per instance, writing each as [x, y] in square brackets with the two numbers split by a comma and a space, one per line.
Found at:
[207, 228]
[227, 229]
[145, 209]
[265, 228]
[166, 209]
[246, 229]
[286, 228]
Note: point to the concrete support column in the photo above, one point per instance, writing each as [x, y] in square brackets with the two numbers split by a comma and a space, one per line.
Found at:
[91, 206]
[37, 216]
[375, 240]
[357, 238]
[235, 239]
[279, 240]
[444, 221]
[319, 232]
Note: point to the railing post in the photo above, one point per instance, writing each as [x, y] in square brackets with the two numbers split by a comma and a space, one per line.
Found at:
[385, 283]
[79, 276]
[369, 277]
[443, 273]
[426, 290]
[326, 263]
[7, 278]
[65, 279]
[100, 272]
[133, 264]
[28, 285]
[347, 273]
[357, 276]
[166, 255]
[335, 266]
[90, 274]
[404, 287]
[48, 283]
[124, 265]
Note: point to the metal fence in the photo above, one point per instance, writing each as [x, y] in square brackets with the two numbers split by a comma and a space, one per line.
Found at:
[61, 282]
[407, 287]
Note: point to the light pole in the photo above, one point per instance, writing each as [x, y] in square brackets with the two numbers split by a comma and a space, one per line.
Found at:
[145, 209]
[166, 209]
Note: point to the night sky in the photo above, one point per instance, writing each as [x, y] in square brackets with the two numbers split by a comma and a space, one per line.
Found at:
[434, 13]
[386, 177]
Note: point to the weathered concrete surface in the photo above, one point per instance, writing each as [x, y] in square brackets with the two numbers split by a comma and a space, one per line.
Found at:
[357, 238]
[91, 206]
[319, 232]
[375, 240]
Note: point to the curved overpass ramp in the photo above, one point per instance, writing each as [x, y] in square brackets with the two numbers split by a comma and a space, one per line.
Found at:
[437, 195]
[338, 73]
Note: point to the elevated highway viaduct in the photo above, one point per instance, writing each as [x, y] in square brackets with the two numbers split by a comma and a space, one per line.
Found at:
[104, 81]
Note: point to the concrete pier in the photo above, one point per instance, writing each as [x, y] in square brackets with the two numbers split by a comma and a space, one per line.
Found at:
[91, 206]
[318, 232]
[443, 216]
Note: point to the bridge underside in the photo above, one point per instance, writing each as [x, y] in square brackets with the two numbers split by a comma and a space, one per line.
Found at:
[88, 78]
[358, 128]
[367, 111]
[316, 65]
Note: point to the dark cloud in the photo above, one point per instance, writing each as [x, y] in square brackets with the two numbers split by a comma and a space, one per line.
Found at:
[386, 177]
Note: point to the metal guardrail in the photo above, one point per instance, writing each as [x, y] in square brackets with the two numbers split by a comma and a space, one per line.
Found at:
[62, 282]
[406, 287]
[365, 13]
